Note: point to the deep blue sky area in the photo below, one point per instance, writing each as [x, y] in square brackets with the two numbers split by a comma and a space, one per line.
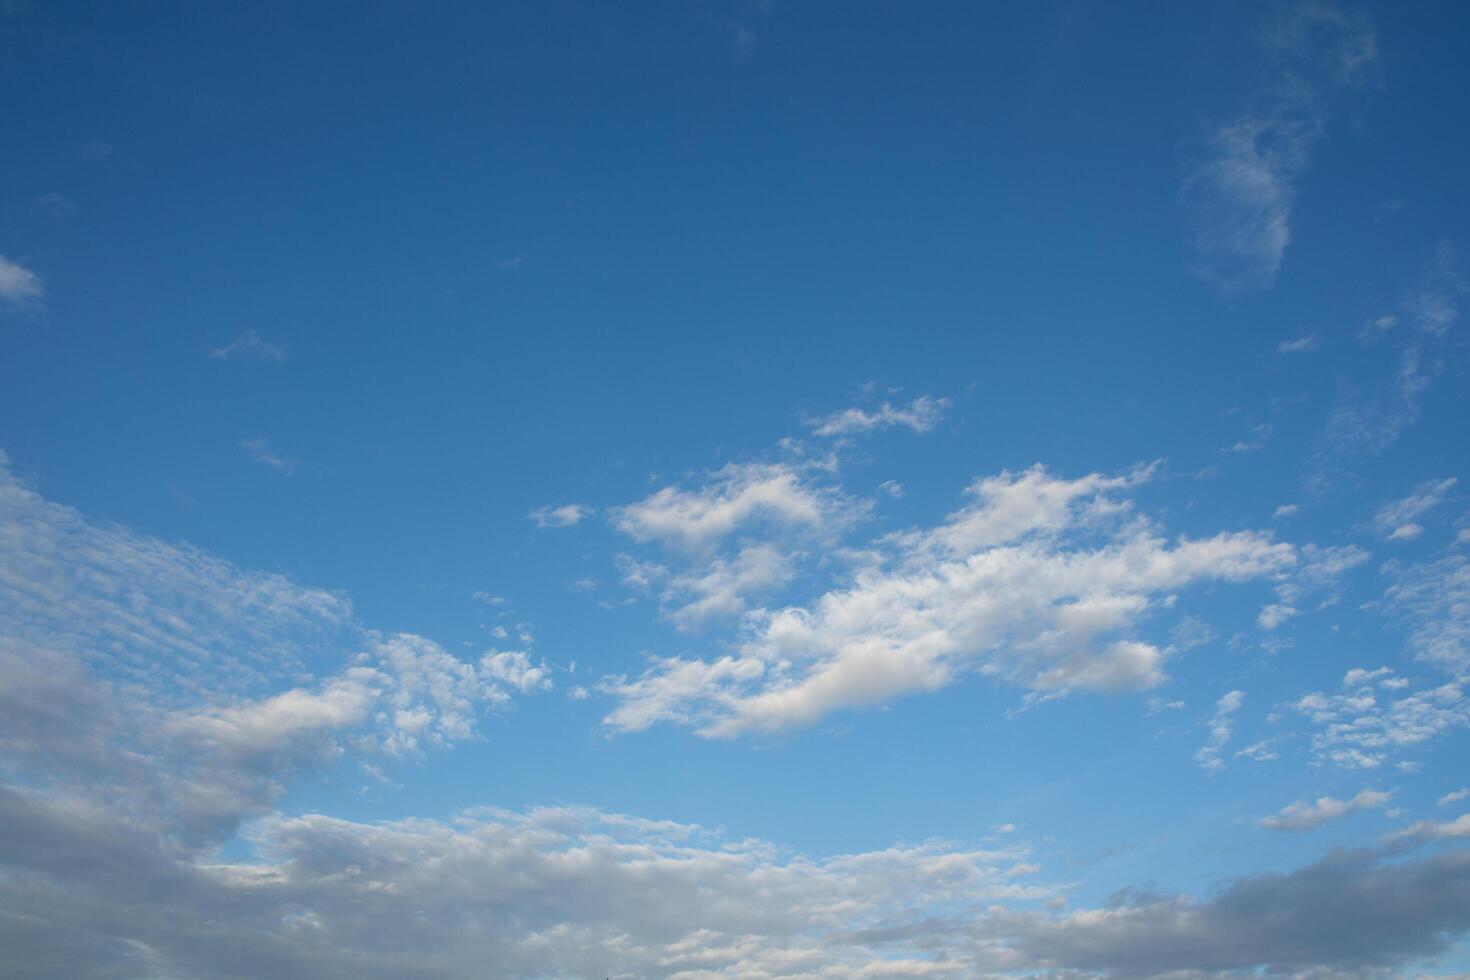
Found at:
[734, 489]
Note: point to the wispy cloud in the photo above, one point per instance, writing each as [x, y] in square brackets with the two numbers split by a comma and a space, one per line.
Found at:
[1222, 727]
[563, 516]
[1239, 195]
[1300, 345]
[1395, 520]
[250, 344]
[259, 449]
[18, 285]
[1309, 815]
[921, 415]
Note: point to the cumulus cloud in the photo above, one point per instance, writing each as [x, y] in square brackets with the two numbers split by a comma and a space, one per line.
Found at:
[1239, 194]
[920, 415]
[18, 284]
[1038, 581]
[564, 516]
[1309, 815]
[733, 498]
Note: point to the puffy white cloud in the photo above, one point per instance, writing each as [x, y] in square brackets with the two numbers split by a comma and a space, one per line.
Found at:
[17, 283]
[1037, 582]
[1309, 815]
[1274, 615]
[1429, 830]
[1455, 797]
[732, 498]
[921, 415]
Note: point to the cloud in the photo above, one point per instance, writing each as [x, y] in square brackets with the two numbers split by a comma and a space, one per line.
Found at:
[1433, 600]
[1222, 727]
[1360, 728]
[1285, 510]
[1274, 615]
[921, 415]
[250, 344]
[1351, 913]
[259, 449]
[735, 497]
[1395, 520]
[1300, 345]
[1260, 435]
[1305, 815]
[18, 285]
[1455, 797]
[719, 589]
[563, 516]
[1429, 830]
[1038, 582]
[1239, 194]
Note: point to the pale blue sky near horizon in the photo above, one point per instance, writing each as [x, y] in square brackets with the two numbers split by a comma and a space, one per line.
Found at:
[1022, 440]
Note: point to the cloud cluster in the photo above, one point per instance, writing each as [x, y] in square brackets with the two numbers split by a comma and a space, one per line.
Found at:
[1038, 581]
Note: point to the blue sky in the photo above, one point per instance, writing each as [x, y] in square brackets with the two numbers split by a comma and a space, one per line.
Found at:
[713, 490]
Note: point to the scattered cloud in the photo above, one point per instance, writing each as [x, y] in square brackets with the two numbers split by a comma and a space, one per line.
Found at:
[55, 206]
[1240, 193]
[921, 415]
[1222, 727]
[1038, 582]
[1309, 815]
[1285, 510]
[18, 285]
[564, 516]
[259, 449]
[1395, 520]
[1300, 345]
[1455, 797]
[251, 345]
[730, 499]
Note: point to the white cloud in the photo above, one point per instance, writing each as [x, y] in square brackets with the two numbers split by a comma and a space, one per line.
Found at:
[1359, 729]
[564, 516]
[1239, 195]
[259, 449]
[1285, 510]
[1300, 345]
[1305, 815]
[18, 284]
[1455, 797]
[719, 589]
[1274, 615]
[1260, 435]
[1433, 599]
[921, 415]
[1395, 519]
[250, 344]
[1429, 830]
[1037, 582]
[1222, 727]
[732, 498]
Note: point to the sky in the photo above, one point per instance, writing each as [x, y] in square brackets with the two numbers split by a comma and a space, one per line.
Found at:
[705, 489]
